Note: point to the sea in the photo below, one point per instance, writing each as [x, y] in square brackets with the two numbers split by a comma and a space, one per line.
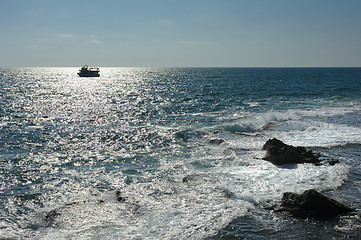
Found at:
[174, 153]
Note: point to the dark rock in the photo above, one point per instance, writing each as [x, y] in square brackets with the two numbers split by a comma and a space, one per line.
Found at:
[332, 161]
[186, 178]
[119, 196]
[189, 134]
[50, 217]
[227, 193]
[280, 153]
[198, 178]
[216, 141]
[312, 204]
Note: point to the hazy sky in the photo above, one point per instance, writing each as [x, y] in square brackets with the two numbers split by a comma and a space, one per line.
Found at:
[171, 33]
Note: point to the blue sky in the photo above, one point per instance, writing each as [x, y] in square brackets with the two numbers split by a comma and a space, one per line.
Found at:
[174, 33]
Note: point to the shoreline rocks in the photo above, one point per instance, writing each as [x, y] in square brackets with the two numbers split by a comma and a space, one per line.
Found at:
[280, 153]
[309, 204]
[312, 204]
[189, 134]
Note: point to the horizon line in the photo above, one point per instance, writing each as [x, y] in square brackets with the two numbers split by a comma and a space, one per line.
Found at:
[181, 66]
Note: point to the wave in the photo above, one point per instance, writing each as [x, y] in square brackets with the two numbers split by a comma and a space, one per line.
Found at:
[335, 124]
[196, 208]
[257, 122]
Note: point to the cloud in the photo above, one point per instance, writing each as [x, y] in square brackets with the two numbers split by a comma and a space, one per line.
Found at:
[95, 41]
[65, 35]
[88, 38]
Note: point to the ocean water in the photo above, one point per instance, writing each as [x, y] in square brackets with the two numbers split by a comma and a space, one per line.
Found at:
[105, 158]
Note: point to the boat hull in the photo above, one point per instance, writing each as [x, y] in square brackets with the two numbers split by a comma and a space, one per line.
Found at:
[82, 74]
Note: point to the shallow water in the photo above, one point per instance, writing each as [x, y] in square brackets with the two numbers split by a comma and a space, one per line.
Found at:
[69, 144]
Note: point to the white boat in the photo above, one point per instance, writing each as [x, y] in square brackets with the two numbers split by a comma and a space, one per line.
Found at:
[86, 71]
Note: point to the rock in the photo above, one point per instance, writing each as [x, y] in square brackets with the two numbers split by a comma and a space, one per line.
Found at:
[227, 193]
[216, 141]
[186, 178]
[280, 153]
[189, 134]
[196, 178]
[330, 162]
[119, 196]
[50, 217]
[312, 204]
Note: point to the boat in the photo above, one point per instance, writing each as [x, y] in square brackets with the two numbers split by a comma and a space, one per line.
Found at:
[86, 71]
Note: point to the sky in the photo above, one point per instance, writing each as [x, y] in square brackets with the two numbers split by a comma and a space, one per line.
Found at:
[180, 33]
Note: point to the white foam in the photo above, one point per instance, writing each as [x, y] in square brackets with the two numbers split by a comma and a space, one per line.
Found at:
[229, 180]
[255, 122]
[307, 127]
[320, 134]
[152, 211]
[264, 181]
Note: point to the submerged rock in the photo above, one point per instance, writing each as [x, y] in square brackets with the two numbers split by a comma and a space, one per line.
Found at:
[280, 153]
[312, 204]
[50, 217]
[227, 193]
[216, 141]
[186, 178]
[189, 134]
[198, 178]
[119, 196]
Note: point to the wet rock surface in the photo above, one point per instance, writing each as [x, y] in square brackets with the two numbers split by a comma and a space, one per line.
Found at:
[51, 216]
[280, 153]
[189, 134]
[312, 204]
